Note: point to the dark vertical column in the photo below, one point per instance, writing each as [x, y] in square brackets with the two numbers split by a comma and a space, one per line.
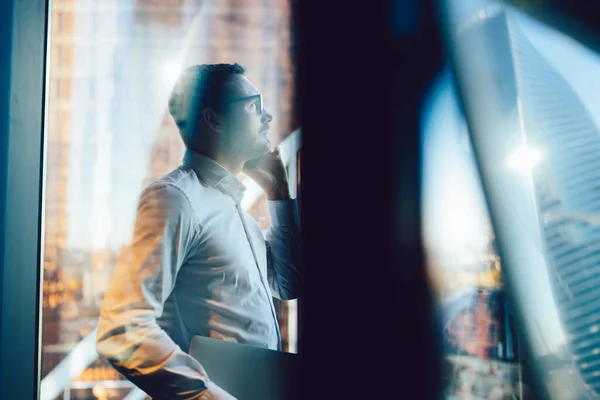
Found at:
[22, 108]
[367, 315]
[417, 57]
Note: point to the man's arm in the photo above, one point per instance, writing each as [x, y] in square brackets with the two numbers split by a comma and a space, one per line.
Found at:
[283, 249]
[283, 238]
[128, 334]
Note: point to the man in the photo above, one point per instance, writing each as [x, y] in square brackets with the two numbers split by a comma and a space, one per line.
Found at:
[199, 265]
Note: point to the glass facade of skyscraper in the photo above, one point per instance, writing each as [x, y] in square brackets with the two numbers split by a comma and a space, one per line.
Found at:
[541, 150]
[558, 205]
[567, 187]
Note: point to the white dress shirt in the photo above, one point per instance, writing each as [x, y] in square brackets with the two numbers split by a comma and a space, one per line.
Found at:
[198, 265]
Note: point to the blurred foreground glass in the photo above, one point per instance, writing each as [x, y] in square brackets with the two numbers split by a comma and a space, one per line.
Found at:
[480, 345]
[538, 149]
[112, 66]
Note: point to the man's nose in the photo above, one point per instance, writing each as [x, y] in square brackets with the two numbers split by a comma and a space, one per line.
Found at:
[266, 116]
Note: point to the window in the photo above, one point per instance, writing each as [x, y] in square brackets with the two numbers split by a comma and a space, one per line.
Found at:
[112, 67]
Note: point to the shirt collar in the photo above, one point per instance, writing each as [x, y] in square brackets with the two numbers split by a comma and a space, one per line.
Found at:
[215, 175]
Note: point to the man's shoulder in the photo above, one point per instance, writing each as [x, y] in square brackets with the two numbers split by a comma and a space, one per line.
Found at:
[182, 182]
[177, 183]
[182, 178]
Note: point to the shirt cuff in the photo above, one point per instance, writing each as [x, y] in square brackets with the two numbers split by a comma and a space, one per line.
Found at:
[284, 212]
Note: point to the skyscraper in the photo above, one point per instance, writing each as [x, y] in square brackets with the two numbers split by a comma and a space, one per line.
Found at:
[567, 188]
[542, 111]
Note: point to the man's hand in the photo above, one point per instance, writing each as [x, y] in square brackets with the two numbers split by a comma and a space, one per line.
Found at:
[214, 392]
[271, 176]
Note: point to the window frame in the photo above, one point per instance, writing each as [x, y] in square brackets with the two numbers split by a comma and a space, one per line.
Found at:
[23, 56]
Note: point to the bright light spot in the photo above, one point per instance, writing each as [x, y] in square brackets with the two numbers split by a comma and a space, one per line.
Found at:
[99, 392]
[594, 328]
[171, 71]
[596, 351]
[524, 158]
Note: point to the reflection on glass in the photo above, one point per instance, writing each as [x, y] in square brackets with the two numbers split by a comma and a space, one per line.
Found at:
[112, 66]
[539, 151]
[525, 158]
[480, 345]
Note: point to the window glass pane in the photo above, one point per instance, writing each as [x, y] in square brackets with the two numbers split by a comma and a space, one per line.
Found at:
[113, 64]
[534, 122]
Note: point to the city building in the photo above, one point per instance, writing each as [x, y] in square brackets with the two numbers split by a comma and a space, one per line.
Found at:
[567, 185]
[543, 111]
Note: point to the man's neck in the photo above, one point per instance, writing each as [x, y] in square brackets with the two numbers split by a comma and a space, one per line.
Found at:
[234, 167]
[229, 163]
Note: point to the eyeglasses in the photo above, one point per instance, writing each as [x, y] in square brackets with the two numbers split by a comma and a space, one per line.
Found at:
[258, 97]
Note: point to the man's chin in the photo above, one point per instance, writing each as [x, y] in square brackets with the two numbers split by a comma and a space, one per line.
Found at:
[266, 149]
[260, 153]
[263, 147]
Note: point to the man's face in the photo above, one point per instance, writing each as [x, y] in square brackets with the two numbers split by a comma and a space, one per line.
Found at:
[246, 122]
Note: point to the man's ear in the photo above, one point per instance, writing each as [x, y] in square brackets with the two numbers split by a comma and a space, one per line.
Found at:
[212, 119]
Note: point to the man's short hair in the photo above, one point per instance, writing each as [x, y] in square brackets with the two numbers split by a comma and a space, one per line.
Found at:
[200, 87]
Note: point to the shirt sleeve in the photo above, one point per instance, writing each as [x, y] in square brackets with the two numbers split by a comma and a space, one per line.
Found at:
[128, 334]
[283, 249]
